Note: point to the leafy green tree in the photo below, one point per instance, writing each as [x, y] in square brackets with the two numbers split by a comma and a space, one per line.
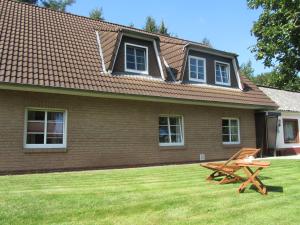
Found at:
[150, 25]
[97, 14]
[33, 2]
[278, 80]
[247, 70]
[207, 42]
[275, 78]
[269, 79]
[59, 5]
[278, 34]
[163, 29]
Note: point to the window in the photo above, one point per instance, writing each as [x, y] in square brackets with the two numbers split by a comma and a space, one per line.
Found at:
[197, 70]
[170, 130]
[45, 129]
[222, 73]
[136, 58]
[290, 131]
[230, 131]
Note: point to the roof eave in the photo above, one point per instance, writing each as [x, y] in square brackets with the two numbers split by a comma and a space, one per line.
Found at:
[90, 93]
[207, 49]
[145, 36]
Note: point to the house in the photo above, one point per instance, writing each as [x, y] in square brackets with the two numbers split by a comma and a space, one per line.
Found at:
[288, 123]
[80, 93]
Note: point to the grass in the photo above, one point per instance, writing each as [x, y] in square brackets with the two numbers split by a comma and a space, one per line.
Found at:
[155, 195]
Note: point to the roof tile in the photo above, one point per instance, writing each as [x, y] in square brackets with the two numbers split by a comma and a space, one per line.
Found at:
[43, 47]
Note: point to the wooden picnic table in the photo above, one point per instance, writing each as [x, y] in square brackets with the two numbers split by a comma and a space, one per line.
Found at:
[253, 175]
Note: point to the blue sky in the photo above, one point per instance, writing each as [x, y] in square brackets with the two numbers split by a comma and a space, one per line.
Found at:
[226, 24]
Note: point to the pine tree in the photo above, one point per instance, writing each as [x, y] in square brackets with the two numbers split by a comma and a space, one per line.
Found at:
[207, 42]
[163, 29]
[151, 25]
[97, 14]
[59, 5]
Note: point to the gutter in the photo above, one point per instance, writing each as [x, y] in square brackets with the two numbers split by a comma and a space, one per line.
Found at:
[98, 94]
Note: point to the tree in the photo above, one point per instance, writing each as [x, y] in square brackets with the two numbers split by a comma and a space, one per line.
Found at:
[33, 2]
[59, 5]
[163, 29]
[247, 70]
[131, 25]
[277, 80]
[151, 25]
[97, 14]
[207, 42]
[278, 34]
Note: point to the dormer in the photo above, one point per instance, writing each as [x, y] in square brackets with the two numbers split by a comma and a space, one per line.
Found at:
[129, 52]
[137, 56]
[211, 67]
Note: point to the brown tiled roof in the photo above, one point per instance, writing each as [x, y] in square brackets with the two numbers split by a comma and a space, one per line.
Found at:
[173, 52]
[45, 48]
[109, 44]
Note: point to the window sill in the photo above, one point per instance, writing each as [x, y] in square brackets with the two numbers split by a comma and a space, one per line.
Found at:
[173, 147]
[45, 150]
[232, 145]
[144, 72]
[223, 84]
[197, 81]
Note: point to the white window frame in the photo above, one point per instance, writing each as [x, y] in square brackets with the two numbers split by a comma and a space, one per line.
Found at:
[228, 72]
[146, 71]
[239, 130]
[46, 146]
[204, 68]
[169, 130]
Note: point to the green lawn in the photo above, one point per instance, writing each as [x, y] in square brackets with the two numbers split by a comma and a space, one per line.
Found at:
[155, 195]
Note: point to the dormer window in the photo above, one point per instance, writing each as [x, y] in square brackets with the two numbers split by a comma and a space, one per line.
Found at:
[197, 70]
[136, 58]
[222, 73]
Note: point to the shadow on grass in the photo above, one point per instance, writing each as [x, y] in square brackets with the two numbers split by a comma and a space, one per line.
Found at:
[274, 188]
[278, 189]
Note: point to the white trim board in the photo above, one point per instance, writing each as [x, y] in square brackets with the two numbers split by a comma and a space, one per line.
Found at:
[169, 69]
[100, 51]
[237, 74]
[158, 59]
[117, 52]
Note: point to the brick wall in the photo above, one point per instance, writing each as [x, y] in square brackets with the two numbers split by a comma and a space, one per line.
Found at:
[109, 132]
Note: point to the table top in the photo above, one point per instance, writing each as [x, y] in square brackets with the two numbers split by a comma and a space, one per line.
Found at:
[252, 164]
